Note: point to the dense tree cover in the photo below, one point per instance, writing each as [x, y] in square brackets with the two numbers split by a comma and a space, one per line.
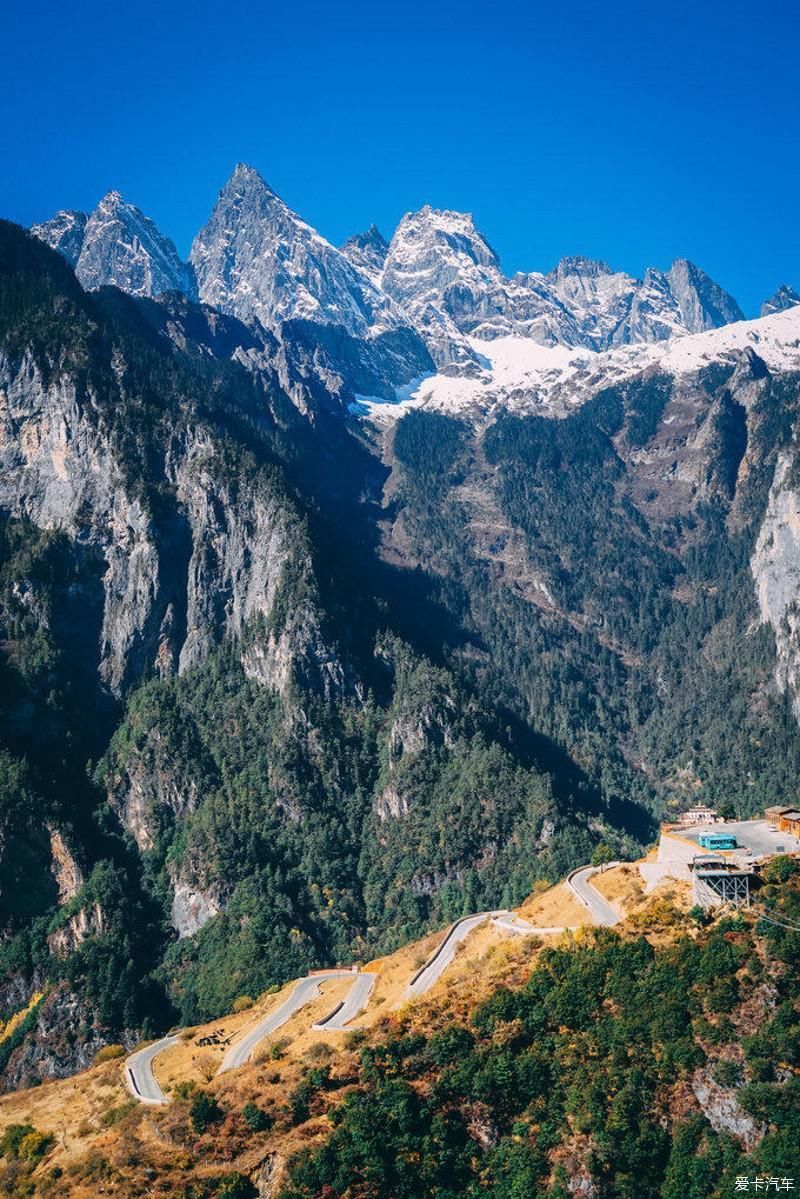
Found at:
[594, 1054]
[479, 743]
[332, 837]
[661, 661]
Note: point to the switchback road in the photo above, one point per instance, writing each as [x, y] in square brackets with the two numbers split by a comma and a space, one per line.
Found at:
[139, 1077]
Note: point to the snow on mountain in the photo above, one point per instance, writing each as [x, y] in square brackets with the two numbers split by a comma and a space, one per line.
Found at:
[785, 297]
[613, 308]
[118, 245]
[599, 298]
[371, 317]
[701, 302]
[367, 251]
[255, 257]
[64, 232]
[525, 377]
[446, 277]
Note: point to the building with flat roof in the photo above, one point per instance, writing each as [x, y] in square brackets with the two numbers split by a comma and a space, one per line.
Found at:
[699, 815]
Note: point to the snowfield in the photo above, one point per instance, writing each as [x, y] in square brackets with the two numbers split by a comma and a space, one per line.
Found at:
[524, 377]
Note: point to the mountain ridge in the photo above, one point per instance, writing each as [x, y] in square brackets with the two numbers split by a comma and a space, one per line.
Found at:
[437, 276]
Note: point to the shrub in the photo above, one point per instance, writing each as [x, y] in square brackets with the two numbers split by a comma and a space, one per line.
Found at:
[12, 1137]
[727, 1073]
[780, 869]
[320, 1051]
[204, 1111]
[355, 1038]
[242, 1003]
[115, 1114]
[35, 1145]
[304, 1092]
[256, 1119]
[108, 1053]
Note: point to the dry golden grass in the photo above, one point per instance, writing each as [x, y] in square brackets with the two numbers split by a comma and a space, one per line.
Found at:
[73, 1109]
[622, 886]
[7, 1028]
[553, 908]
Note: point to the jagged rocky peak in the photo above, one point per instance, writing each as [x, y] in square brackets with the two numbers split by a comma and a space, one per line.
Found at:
[445, 275]
[118, 245]
[439, 242]
[368, 252]
[65, 233]
[785, 297]
[598, 297]
[256, 257]
[578, 266]
[701, 302]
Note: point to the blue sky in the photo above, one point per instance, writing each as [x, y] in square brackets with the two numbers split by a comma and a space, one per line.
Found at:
[633, 132]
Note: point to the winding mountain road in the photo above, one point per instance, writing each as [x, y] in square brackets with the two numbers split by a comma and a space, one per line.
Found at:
[436, 965]
[142, 1082]
[139, 1077]
[351, 1006]
[601, 911]
[304, 991]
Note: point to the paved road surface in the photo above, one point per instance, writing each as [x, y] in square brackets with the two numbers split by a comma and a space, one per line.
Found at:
[523, 928]
[304, 991]
[139, 1076]
[756, 835]
[444, 955]
[139, 1067]
[600, 909]
[353, 1004]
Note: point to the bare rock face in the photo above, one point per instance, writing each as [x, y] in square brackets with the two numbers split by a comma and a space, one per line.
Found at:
[192, 908]
[776, 569]
[66, 871]
[255, 257]
[65, 233]
[174, 587]
[785, 297]
[117, 245]
[52, 1049]
[88, 922]
[723, 1111]
[368, 251]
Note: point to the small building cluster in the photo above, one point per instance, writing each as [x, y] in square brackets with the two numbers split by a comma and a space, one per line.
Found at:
[785, 820]
[699, 815]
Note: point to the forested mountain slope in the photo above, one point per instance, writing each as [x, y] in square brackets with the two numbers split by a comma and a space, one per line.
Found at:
[210, 721]
[282, 686]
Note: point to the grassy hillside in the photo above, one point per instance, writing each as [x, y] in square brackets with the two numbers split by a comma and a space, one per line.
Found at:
[659, 1059]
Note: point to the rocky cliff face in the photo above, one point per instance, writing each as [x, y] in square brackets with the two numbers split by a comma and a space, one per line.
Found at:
[117, 245]
[174, 584]
[368, 251]
[255, 257]
[52, 1049]
[65, 233]
[776, 570]
[785, 297]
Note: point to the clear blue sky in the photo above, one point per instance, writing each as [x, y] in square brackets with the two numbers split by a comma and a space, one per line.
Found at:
[633, 132]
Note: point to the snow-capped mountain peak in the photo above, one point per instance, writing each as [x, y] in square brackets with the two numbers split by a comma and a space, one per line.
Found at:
[524, 377]
[256, 257]
[785, 297]
[64, 232]
[367, 251]
[445, 275]
[118, 245]
[701, 302]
